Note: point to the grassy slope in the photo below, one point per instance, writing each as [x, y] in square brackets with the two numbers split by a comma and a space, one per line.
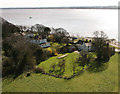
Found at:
[106, 80]
[68, 63]
[55, 44]
[70, 59]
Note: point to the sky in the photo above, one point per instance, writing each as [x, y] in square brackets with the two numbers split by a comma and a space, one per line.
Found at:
[55, 3]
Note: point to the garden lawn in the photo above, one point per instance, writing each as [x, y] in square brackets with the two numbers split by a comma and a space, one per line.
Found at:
[70, 59]
[55, 44]
[104, 81]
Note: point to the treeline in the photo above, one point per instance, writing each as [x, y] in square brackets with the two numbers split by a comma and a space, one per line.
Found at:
[19, 55]
[101, 47]
[59, 35]
[8, 28]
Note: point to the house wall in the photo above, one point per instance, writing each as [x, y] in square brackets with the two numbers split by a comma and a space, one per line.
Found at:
[39, 41]
[45, 45]
[84, 47]
[43, 42]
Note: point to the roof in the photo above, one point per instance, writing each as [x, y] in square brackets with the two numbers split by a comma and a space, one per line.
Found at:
[88, 44]
[72, 46]
[80, 42]
[23, 33]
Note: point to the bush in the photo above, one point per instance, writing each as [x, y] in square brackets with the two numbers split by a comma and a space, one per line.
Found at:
[58, 68]
[54, 52]
[39, 70]
[38, 54]
[7, 67]
[78, 69]
[20, 56]
[46, 54]
[64, 49]
[84, 58]
[50, 50]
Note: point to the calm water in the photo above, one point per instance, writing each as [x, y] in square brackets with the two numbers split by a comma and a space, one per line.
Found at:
[76, 21]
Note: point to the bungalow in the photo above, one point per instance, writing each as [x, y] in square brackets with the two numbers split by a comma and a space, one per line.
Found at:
[84, 46]
[45, 45]
[80, 42]
[72, 48]
[42, 42]
[38, 41]
[27, 34]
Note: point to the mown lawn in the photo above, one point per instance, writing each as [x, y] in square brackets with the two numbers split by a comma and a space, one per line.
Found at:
[70, 59]
[88, 81]
[55, 44]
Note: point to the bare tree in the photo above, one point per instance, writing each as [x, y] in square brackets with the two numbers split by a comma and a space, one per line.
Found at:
[100, 45]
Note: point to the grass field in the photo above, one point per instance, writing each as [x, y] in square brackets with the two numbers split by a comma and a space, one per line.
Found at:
[71, 66]
[55, 44]
[103, 81]
[46, 65]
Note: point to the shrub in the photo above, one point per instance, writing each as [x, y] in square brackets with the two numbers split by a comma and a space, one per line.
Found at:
[39, 70]
[49, 50]
[20, 56]
[58, 68]
[38, 53]
[78, 69]
[64, 49]
[46, 54]
[55, 53]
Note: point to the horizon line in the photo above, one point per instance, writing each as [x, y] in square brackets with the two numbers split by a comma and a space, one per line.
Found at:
[68, 7]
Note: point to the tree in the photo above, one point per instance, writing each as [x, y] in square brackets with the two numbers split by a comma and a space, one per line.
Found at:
[60, 35]
[46, 32]
[100, 45]
[51, 38]
[8, 29]
[73, 38]
[38, 28]
[38, 54]
[20, 57]
[66, 40]
[82, 60]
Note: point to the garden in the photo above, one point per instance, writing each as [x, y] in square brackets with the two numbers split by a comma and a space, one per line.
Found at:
[65, 67]
[104, 80]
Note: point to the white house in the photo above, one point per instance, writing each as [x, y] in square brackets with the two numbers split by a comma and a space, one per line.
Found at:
[72, 48]
[45, 45]
[39, 41]
[42, 42]
[84, 46]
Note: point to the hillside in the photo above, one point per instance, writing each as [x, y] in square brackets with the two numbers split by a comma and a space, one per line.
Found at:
[8, 28]
[102, 81]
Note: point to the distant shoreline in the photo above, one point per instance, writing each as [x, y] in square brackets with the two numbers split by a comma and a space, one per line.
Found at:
[84, 7]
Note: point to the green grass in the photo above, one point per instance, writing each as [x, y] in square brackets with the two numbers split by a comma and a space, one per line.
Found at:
[55, 44]
[48, 63]
[115, 47]
[103, 81]
[69, 61]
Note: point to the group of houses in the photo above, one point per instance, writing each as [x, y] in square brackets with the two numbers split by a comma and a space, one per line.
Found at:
[35, 38]
[81, 45]
[42, 42]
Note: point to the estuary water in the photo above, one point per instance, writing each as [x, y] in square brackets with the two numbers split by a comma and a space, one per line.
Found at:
[82, 22]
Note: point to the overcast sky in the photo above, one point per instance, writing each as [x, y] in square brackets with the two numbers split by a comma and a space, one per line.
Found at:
[55, 3]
